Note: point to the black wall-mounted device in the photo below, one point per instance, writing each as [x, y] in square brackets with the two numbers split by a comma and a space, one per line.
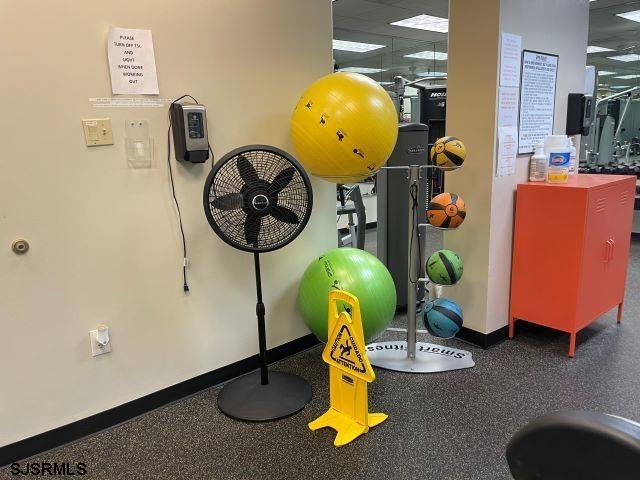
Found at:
[190, 136]
[580, 111]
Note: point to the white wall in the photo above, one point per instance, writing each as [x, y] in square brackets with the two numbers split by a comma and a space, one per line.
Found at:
[485, 241]
[104, 238]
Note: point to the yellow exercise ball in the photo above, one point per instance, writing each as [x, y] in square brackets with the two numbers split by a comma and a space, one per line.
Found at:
[344, 127]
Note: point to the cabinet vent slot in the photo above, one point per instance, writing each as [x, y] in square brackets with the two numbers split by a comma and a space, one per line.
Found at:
[624, 197]
[600, 205]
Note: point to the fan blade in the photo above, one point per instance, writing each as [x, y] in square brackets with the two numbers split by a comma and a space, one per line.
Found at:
[284, 215]
[281, 181]
[246, 170]
[230, 201]
[252, 229]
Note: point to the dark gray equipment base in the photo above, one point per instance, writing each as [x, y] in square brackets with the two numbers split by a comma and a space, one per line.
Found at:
[576, 445]
[246, 399]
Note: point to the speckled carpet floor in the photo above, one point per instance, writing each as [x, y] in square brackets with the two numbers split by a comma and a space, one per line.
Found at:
[446, 426]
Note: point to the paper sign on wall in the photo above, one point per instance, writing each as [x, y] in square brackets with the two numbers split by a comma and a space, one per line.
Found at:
[507, 149]
[537, 98]
[132, 63]
[508, 107]
[507, 130]
[510, 55]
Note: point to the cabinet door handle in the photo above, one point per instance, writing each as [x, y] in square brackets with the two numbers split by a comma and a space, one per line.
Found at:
[613, 246]
[607, 251]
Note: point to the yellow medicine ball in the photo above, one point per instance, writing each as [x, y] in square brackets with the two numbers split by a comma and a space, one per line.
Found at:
[448, 153]
[344, 127]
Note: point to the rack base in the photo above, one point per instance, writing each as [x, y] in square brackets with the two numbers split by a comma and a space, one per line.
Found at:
[430, 358]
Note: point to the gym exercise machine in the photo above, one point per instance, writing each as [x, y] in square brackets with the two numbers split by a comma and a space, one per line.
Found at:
[350, 203]
[392, 237]
[604, 151]
[412, 147]
[430, 109]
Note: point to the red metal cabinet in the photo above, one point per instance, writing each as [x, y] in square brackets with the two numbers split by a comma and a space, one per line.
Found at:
[570, 251]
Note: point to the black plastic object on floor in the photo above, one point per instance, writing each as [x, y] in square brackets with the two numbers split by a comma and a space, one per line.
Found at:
[258, 199]
[576, 445]
[283, 395]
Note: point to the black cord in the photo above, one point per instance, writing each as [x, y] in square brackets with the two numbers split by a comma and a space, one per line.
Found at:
[415, 203]
[414, 209]
[185, 258]
[211, 153]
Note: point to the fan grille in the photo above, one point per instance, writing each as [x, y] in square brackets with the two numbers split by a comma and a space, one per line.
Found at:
[226, 180]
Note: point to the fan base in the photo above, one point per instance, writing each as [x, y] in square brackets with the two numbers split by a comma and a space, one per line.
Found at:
[246, 399]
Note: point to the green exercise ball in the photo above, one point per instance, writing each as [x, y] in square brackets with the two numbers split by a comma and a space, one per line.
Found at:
[354, 271]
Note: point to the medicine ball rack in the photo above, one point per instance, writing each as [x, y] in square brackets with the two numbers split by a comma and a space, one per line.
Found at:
[410, 355]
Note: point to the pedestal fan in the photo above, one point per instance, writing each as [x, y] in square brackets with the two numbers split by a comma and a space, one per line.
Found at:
[257, 199]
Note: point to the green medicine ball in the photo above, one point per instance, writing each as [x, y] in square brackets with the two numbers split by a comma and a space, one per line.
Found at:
[444, 267]
[354, 271]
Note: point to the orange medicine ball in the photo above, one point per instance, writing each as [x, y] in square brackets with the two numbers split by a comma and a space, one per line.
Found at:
[446, 210]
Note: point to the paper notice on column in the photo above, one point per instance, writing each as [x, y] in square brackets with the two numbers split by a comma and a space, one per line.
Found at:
[508, 107]
[537, 98]
[508, 93]
[510, 55]
[507, 130]
[507, 150]
[132, 63]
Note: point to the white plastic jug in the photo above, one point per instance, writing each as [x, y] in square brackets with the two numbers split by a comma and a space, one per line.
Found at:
[558, 155]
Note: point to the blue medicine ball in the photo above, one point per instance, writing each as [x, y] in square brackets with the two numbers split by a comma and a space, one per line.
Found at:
[442, 317]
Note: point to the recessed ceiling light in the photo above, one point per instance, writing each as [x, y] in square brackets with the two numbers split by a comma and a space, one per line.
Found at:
[428, 55]
[604, 73]
[362, 70]
[596, 49]
[425, 22]
[431, 74]
[634, 15]
[628, 77]
[620, 87]
[629, 57]
[355, 46]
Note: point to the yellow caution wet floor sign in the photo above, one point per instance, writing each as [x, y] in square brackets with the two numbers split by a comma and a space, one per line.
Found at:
[345, 353]
[349, 372]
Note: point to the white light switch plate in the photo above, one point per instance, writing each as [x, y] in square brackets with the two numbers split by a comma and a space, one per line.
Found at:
[96, 348]
[97, 131]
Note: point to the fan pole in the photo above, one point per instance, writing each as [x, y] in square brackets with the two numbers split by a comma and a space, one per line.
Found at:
[262, 335]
